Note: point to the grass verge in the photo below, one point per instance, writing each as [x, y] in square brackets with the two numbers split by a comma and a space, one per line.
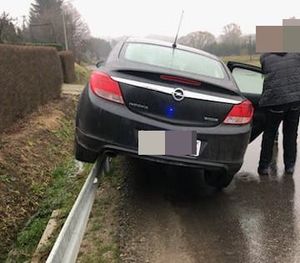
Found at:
[61, 195]
[36, 168]
[82, 74]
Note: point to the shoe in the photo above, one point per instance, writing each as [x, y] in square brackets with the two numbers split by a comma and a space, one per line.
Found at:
[263, 170]
[290, 169]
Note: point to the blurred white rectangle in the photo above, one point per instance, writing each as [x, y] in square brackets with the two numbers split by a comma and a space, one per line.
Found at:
[151, 143]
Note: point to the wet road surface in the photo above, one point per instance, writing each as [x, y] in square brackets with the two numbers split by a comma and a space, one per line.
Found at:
[171, 216]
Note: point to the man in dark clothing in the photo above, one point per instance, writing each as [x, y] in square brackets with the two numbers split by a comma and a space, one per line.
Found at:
[281, 101]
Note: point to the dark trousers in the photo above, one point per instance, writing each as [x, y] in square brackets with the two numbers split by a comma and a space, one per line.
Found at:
[289, 114]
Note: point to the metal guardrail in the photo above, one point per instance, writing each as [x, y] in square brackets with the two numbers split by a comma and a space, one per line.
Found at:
[66, 247]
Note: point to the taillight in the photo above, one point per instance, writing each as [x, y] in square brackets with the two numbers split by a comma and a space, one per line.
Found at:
[240, 113]
[105, 87]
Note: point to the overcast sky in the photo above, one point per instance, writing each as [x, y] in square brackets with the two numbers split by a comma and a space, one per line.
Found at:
[113, 18]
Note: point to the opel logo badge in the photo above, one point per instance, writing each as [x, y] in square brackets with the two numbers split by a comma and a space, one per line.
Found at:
[178, 94]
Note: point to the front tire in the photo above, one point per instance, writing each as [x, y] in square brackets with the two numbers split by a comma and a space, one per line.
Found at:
[218, 179]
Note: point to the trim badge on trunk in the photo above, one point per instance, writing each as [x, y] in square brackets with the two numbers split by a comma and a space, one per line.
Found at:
[178, 94]
[138, 105]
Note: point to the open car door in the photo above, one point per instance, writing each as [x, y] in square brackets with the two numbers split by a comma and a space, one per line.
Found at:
[250, 80]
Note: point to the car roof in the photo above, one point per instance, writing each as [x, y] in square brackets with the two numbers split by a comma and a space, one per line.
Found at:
[169, 44]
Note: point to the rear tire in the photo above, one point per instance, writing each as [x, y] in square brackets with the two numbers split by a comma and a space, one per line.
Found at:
[218, 179]
[84, 155]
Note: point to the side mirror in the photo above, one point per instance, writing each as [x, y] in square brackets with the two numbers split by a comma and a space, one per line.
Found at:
[99, 63]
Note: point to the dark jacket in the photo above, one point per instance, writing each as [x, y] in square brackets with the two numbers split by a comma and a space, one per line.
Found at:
[282, 78]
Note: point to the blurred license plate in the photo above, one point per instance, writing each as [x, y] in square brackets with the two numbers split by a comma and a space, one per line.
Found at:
[170, 143]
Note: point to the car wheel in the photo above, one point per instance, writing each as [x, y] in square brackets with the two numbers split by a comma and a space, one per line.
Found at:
[84, 155]
[218, 180]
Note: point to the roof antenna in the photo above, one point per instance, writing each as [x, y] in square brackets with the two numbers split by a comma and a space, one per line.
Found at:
[180, 21]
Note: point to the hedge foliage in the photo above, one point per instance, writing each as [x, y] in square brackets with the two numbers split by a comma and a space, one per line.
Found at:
[55, 45]
[68, 66]
[58, 47]
[29, 77]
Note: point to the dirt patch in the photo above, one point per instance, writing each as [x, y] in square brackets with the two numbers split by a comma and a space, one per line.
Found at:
[51, 121]
[29, 151]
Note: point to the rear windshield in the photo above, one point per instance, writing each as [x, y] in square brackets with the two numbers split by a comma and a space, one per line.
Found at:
[175, 59]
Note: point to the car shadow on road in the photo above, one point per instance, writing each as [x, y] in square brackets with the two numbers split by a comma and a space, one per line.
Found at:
[252, 220]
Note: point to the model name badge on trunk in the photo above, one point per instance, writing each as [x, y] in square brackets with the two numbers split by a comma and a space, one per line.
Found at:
[211, 119]
[176, 143]
[138, 105]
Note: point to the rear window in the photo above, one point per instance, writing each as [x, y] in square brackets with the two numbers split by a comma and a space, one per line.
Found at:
[175, 59]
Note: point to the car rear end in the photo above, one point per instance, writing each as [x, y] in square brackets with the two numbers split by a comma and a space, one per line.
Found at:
[130, 95]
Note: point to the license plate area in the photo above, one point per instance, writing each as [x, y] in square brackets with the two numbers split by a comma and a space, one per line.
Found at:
[198, 146]
[169, 143]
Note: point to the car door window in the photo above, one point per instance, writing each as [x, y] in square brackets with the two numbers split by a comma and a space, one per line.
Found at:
[248, 81]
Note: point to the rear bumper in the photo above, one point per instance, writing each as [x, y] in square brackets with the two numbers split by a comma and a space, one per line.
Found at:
[97, 146]
[103, 126]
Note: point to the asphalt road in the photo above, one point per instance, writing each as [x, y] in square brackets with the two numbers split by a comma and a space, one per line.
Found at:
[169, 215]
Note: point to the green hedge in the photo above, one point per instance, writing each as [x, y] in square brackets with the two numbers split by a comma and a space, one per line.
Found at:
[68, 66]
[30, 76]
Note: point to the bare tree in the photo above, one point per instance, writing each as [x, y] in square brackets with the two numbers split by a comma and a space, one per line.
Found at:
[199, 39]
[78, 31]
[232, 34]
[98, 48]
[46, 24]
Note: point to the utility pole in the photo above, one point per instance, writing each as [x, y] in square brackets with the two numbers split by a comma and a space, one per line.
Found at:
[24, 22]
[65, 30]
[250, 47]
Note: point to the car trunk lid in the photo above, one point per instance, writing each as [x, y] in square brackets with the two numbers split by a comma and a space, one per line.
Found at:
[176, 99]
